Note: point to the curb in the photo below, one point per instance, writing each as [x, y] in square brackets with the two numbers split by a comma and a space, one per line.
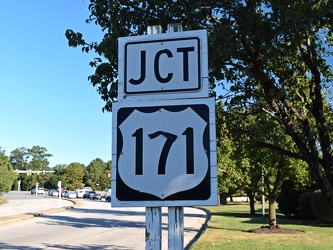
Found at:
[202, 229]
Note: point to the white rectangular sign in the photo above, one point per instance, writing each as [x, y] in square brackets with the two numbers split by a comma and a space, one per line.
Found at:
[163, 66]
[164, 153]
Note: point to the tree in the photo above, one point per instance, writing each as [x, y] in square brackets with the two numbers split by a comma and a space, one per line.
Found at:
[227, 171]
[104, 180]
[38, 158]
[7, 173]
[18, 158]
[74, 176]
[60, 169]
[94, 172]
[52, 181]
[268, 52]
[35, 158]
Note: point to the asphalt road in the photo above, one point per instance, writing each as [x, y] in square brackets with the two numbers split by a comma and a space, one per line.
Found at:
[92, 225]
[24, 202]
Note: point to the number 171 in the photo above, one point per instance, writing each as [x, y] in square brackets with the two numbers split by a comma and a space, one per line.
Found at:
[170, 139]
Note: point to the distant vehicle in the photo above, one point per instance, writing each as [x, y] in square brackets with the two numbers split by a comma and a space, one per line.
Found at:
[70, 194]
[108, 195]
[87, 189]
[96, 196]
[39, 191]
[53, 192]
[80, 193]
[63, 192]
[87, 193]
[108, 198]
[91, 195]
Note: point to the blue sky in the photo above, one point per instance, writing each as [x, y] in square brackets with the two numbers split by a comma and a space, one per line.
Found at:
[45, 96]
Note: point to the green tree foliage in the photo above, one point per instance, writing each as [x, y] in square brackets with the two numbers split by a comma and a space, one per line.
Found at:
[35, 158]
[74, 176]
[60, 169]
[228, 173]
[272, 55]
[7, 174]
[38, 158]
[94, 172]
[18, 158]
[105, 180]
[52, 181]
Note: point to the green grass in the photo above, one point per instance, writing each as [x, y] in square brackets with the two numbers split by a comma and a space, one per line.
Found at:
[225, 231]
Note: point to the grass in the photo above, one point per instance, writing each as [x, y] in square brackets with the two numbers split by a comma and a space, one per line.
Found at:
[224, 231]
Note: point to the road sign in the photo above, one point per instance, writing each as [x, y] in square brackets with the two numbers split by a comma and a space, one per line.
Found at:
[164, 153]
[163, 66]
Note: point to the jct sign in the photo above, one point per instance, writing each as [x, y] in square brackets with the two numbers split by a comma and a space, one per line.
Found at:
[163, 153]
[156, 65]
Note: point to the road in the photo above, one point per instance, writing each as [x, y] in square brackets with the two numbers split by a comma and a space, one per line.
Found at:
[24, 202]
[93, 226]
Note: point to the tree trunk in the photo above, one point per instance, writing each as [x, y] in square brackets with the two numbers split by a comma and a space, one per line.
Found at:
[251, 198]
[272, 213]
[272, 198]
[326, 187]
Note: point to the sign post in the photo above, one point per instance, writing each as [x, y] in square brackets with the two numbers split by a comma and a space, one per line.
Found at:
[164, 145]
[175, 227]
[59, 186]
[153, 228]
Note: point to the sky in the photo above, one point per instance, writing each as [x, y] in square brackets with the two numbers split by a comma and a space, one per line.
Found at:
[46, 99]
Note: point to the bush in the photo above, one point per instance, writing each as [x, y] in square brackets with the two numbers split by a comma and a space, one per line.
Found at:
[304, 209]
[288, 197]
[321, 208]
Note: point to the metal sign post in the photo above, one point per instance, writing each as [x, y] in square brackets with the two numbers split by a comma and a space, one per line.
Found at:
[59, 186]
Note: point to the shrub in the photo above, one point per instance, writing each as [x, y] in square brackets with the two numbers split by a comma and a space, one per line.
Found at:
[304, 209]
[288, 197]
[321, 208]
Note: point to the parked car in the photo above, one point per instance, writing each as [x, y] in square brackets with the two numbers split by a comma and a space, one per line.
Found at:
[63, 192]
[39, 191]
[87, 189]
[53, 192]
[108, 198]
[87, 194]
[108, 195]
[96, 196]
[91, 195]
[79, 193]
[70, 194]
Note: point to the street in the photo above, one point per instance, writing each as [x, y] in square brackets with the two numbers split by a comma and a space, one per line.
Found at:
[93, 226]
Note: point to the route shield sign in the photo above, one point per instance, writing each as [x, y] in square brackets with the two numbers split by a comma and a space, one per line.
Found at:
[164, 153]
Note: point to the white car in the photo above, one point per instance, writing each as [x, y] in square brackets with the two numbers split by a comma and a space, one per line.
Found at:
[70, 195]
[39, 191]
[53, 192]
[80, 193]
